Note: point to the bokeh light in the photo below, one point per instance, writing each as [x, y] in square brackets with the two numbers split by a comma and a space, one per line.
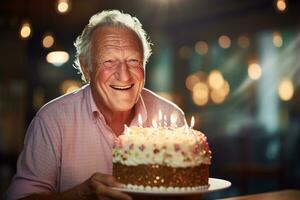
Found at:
[63, 6]
[68, 86]
[25, 30]
[215, 79]
[277, 39]
[254, 71]
[185, 52]
[57, 58]
[48, 40]
[286, 90]
[201, 47]
[218, 96]
[200, 94]
[191, 81]
[243, 41]
[224, 41]
[281, 5]
[166, 95]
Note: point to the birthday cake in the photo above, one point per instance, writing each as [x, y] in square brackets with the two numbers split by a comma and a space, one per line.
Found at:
[162, 158]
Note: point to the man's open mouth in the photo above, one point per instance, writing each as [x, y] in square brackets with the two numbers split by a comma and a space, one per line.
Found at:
[118, 87]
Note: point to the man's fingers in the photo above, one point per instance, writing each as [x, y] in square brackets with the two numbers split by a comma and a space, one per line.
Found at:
[114, 194]
[106, 179]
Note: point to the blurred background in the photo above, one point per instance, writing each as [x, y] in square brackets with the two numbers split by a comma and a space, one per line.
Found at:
[233, 65]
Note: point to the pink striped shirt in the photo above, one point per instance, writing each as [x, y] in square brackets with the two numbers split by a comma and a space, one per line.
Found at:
[69, 140]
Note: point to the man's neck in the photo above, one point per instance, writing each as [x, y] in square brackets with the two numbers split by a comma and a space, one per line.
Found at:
[116, 120]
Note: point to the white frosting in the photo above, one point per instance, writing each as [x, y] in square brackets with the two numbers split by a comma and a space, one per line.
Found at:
[164, 189]
[174, 147]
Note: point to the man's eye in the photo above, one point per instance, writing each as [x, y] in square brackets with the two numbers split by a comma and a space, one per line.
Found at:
[133, 62]
[109, 63]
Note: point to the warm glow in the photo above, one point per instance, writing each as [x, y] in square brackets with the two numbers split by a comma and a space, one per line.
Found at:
[173, 119]
[69, 86]
[192, 124]
[226, 87]
[224, 41]
[159, 117]
[281, 5]
[63, 6]
[201, 47]
[200, 94]
[185, 52]
[243, 41]
[48, 41]
[38, 97]
[191, 81]
[154, 123]
[277, 39]
[57, 58]
[215, 79]
[140, 120]
[25, 30]
[166, 95]
[218, 96]
[286, 90]
[254, 71]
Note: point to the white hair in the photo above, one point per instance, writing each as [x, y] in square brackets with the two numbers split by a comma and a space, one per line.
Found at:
[108, 18]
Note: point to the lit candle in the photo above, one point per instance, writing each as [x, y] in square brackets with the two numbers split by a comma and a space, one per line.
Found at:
[192, 122]
[186, 128]
[173, 120]
[159, 118]
[165, 121]
[140, 120]
[154, 123]
[125, 129]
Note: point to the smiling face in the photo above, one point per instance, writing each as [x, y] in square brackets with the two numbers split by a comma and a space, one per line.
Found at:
[117, 75]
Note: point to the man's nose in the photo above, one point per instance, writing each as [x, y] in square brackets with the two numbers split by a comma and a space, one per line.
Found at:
[123, 73]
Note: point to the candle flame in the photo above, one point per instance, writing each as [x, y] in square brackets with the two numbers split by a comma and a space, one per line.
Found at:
[165, 121]
[159, 115]
[192, 122]
[173, 119]
[140, 120]
[154, 123]
[125, 129]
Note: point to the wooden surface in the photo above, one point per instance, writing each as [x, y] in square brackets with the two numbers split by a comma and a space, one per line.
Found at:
[278, 195]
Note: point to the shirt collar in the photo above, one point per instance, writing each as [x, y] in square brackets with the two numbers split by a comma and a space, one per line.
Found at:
[92, 105]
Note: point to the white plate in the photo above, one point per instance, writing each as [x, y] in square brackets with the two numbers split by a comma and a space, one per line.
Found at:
[214, 185]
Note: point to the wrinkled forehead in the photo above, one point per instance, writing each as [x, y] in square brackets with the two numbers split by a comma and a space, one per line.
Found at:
[116, 37]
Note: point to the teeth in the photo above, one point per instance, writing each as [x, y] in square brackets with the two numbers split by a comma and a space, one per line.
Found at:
[122, 87]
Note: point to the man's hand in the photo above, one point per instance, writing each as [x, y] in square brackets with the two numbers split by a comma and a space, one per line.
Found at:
[98, 187]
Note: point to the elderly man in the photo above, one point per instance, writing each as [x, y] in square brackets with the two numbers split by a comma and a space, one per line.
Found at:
[67, 151]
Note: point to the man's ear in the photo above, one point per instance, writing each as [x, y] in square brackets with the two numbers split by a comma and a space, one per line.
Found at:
[85, 69]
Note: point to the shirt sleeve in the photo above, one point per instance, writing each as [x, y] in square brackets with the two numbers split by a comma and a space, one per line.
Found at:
[38, 163]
